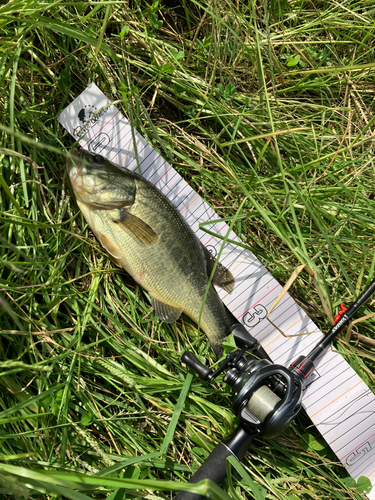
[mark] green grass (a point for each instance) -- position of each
(272, 103)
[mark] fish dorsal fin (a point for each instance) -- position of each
(140, 229)
(222, 277)
(113, 251)
(165, 312)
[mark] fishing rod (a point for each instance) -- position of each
(266, 396)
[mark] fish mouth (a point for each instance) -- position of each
(72, 167)
(74, 161)
(79, 179)
(76, 181)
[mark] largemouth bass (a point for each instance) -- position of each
(144, 234)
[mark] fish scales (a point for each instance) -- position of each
(144, 234)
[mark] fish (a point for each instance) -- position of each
(145, 235)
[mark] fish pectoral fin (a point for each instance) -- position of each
(113, 251)
(140, 229)
(222, 277)
(165, 312)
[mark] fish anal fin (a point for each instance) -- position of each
(113, 251)
(166, 312)
(140, 229)
(222, 277)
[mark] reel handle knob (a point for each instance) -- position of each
(200, 369)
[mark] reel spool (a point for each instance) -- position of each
(262, 403)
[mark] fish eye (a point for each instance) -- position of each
(98, 159)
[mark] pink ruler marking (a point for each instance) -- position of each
(365, 441)
(165, 173)
(214, 236)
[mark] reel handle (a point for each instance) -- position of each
(200, 369)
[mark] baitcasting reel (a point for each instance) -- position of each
(266, 397)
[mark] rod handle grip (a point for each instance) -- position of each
(214, 468)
